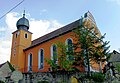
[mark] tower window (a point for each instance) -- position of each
(26, 35)
(16, 35)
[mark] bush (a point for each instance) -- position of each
(1, 81)
(43, 82)
(98, 77)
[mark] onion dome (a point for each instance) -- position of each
(22, 23)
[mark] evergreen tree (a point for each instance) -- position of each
(89, 46)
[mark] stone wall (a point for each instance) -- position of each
(59, 77)
(51, 77)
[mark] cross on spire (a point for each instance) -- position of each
(24, 13)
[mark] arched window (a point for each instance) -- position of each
(41, 59)
(26, 35)
(69, 43)
(69, 49)
(54, 53)
(16, 35)
(30, 62)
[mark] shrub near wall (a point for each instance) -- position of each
(98, 77)
(43, 82)
(1, 81)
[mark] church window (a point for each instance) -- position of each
(69, 49)
(30, 62)
(54, 53)
(41, 59)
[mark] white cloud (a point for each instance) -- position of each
(43, 11)
(5, 51)
(2, 29)
(37, 27)
(115, 1)
(42, 27)
(11, 20)
(54, 24)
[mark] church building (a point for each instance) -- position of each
(29, 55)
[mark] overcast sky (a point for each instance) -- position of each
(47, 15)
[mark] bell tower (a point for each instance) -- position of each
(21, 39)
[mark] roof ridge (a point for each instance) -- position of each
(56, 30)
(63, 30)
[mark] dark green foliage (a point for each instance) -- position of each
(65, 58)
(117, 66)
(98, 77)
(91, 46)
(52, 64)
(1, 81)
(88, 46)
(43, 82)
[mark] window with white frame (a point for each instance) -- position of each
(41, 59)
(30, 62)
(69, 49)
(54, 53)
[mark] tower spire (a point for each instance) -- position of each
(24, 13)
(23, 23)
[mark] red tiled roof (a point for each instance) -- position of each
(55, 34)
